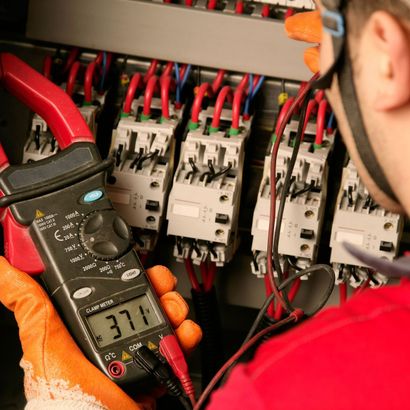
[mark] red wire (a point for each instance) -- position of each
(88, 81)
(211, 4)
(283, 113)
(131, 90)
(239, 7)
(72, 76)
(289, 13)
(4, 161)
(211, 276)
(239, 353)
(168, 69)
(236, 107)
(271, 309)
(321, 122)
(293, 291)
(244, 82)
(165, 87)
(275, 151)
(312, 105)
(108, 58)
(72, 56)
(188, 3)
(363, 287)
(342, 293)
(217, 83)
(189, 266)
(151, 70)
(320, 95)
(204, 273)
(265, 10)
(204, 88)
(47, 65)
(149, 94)
(225, 94)
(182, 71)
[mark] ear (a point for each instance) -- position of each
(390, 45)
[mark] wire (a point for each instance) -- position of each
(285, 190)
(211, 276)
(239, 7)
(283, 113)
(88, 82)
(217, 83)
(104, 71)
(205, 89)
(280, 129)
(151, 70)
(244, 82)
(291, 296)
(211, 4)
(72, 57)
(131, 90)
(152, 85)
(165, 88)
(235, 357)
(236, 108)
(47, 66)
(312, 269)
(265, 10)
(189, 266)
(254, 88)
(343, 293)
(72, 77)
(225, 94)
(168, 69)
(312, 105)
(321, 121)
(330, 122)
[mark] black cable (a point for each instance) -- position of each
(316, 268)
(144, 158)
(37, 137)
(221, 172)
(136, 160)
(303, 191)
(285, 190)
(293, 264)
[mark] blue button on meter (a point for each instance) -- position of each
(93, 196)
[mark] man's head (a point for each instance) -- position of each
(379, 45)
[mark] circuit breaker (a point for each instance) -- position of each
(204, 201)
(305, 204)
(144, 163)
(361, 222)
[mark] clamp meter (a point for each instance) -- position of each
(59, 223)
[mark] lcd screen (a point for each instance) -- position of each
(124, 320)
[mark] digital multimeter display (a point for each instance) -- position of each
(124, 320)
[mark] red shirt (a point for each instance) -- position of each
(354, 357)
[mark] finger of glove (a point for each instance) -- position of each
(175, 308)
(162, 279)
(312, 59)
(189, 335)
(305, 26)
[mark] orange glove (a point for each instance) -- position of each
(57, 375)
(307, 27)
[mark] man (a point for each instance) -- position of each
(357, 356)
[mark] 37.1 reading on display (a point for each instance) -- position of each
(124, 320)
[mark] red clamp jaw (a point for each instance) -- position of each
(67, 126)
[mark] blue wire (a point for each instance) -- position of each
(249, 97)
(331, 120)
(186, 75)
(178, 81)
(104, 69)
(258, 86)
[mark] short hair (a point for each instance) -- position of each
(360, 10)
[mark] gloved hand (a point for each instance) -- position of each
(307, 27)
(57, 375)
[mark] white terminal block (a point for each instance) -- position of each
(139, 187)
(40, 143)
(359, 221)
(304, 212)
(297, 4)
(89, 113)
(203, 208)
